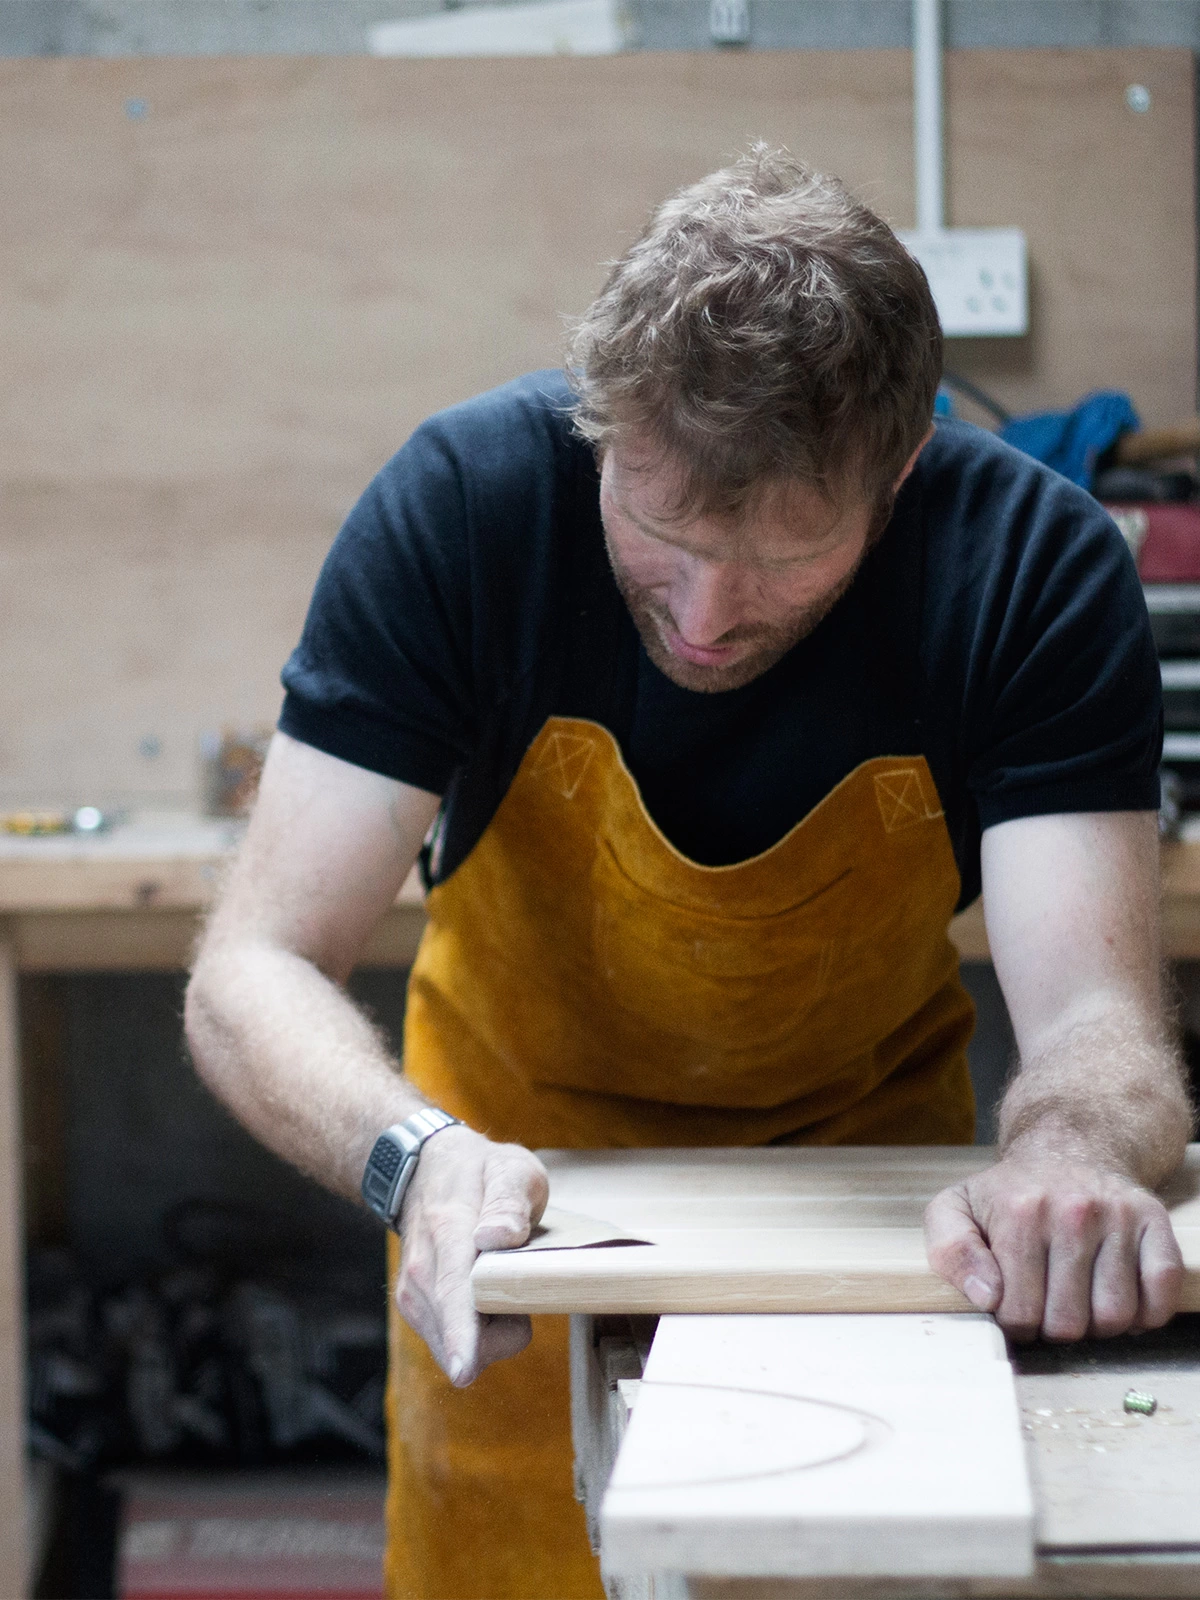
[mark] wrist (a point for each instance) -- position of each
(1041, 1134)
(1061, 1152)
(392, 1162)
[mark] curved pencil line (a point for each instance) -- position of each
(868, 1417)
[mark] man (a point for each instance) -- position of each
(712, 688)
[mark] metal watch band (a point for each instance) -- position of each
(393, 1160)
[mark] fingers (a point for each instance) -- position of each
(468, 1195)
(434, 1292)
(958, 1251)
(1114, 1288)
(1160, 1266)
(1019, 1239)
(501, 1337)
(1083, 1261)
(1113, 1265)
(1076, 1250)
(515, 1190)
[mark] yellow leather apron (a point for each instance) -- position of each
(583, 984)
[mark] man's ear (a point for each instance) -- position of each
(912, 460)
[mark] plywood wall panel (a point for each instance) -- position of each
(230, 288)
(1045, 141)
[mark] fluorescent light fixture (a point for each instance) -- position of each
(551, 28)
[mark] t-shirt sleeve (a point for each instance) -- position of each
(1064, 699)
(382, 674)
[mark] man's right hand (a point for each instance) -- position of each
(468, 1195)
(276, 1037)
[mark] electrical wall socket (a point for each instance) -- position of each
(729, 21)
(979, 279)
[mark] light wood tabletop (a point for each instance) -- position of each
(783, 1229)
(131, 898)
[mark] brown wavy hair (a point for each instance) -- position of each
(766, 327)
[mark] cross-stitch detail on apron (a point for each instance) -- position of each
(903, 800)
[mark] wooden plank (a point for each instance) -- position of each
(14, 1505)
(133, 868)
(104, 941)
(822, 1446)
(605, 1353)
(221, 312)
(761, 1230)
(1181, 928)
(1104, 1478)
(1085, 114)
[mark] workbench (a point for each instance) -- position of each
(131, 900)
(1094, 1502)
(773, 1395)
(126, 900)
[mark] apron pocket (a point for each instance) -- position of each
(727, 983)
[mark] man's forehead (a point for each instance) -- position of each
(781, 520)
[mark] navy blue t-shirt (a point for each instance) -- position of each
(998, 628)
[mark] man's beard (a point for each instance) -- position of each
(768, 644)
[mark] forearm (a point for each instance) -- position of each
(1106, 1088)
(287, 1050)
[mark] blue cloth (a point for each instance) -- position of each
(1073, 441)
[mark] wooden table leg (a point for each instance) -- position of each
(13, 1506)
(605, 1352)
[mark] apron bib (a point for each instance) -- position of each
(582, 984)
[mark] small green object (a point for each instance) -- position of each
(1144, 1404)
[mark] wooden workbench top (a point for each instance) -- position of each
(162, 861)
(129, 899)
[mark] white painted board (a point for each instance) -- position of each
(822, 1446)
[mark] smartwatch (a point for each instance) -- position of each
(393, 1160)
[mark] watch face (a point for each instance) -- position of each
(386, 1157)
(379, 1177)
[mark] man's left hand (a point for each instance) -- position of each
(1057, 1247)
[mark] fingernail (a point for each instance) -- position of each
(455, 1370)
(498, 1232)
(979, 1293)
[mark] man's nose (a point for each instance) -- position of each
(707, 601)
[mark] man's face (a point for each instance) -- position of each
(717, 602)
